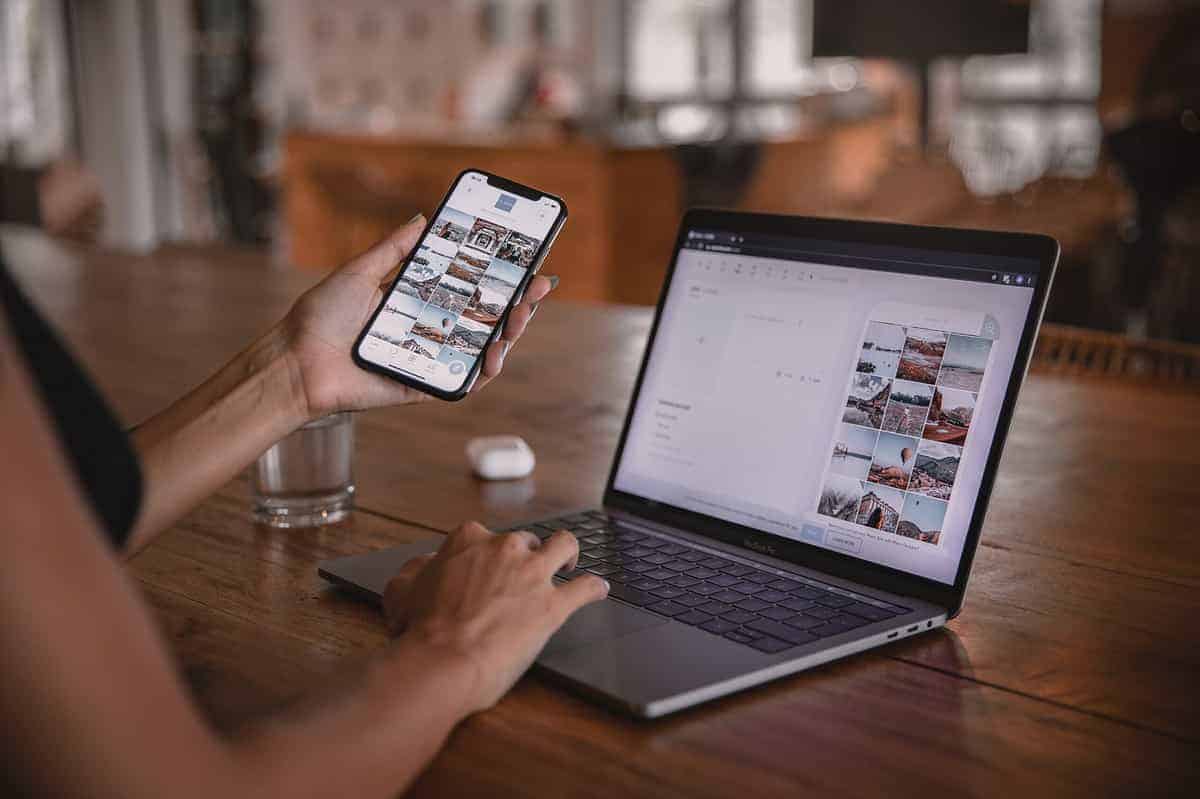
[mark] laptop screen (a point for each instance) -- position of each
(839, 394)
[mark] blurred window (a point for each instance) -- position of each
(1025, 116)
(35, 117)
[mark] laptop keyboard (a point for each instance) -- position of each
(750, 606)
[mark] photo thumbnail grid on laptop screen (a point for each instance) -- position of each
(837, 394)
(454, 292)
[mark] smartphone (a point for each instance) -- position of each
(454, 292)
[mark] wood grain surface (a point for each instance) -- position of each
(1072, 670)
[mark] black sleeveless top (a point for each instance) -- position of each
(97, 448)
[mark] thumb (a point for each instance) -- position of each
(376, 262)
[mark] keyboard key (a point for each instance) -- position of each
(754, 605)
(673, 549)
(728, 596)
(650, 542)
(692, 600)
(802, 622)
(668, 592)
(834, 601)
(701, 573)
(771, 595)
(785, 585)
(638, 551)
(707, 588)
(807, 593)
(631, 595)
(739, 636)
(692, 556)
(677, 565)
(781, 631)
(770, 645)
(739, 616)
(762, 578)
(584, 562)
(573, 519)
(719, 626)
(714, 563)
(777, 613)
(797, 604)
(724, 580)
(641, 567)
(623, 576)
(693, 617)
(716, 608)
(839, 625)
(603, 569)
(667, 608)
(737, 569)
(591, 524)
(747, 588)
(818, 612)
(658, 559)
(601, 553)
(646, 584)
(660, 574)
(683, 581)
(868, 611)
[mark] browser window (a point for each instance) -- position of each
(845, 396)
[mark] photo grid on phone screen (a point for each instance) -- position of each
(906, 419)
(455, 290)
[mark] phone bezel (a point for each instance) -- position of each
(505, 184)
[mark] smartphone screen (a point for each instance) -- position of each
(459, 282)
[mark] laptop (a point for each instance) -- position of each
(807, 457)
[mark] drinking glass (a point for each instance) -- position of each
(306, 480)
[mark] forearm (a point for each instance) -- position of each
(373, 739)
(203, 440)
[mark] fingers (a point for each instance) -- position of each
(559, 552)
(539, 287)
(521, 541)
(376, 262)
(518, 318)
(493, 360)
(514, 327)
(581, 591)
(395, 596)
(465, 535)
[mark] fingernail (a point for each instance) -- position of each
(504, 345)
(533, 313)
(607, 586)
(414, 219)
(553, 281)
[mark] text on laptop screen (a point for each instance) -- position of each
(842, 395)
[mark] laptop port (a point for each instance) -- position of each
(913, 629)
(893, 635)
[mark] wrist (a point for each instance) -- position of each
(452, 674)
(271, 357)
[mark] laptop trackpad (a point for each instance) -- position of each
(600, 621)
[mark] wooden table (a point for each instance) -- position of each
(1072, 671)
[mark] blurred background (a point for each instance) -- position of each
(308, 129)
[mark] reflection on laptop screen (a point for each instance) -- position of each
(843, 395)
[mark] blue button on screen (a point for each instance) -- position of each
(813, 533)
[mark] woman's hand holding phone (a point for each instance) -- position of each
(319, 331)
